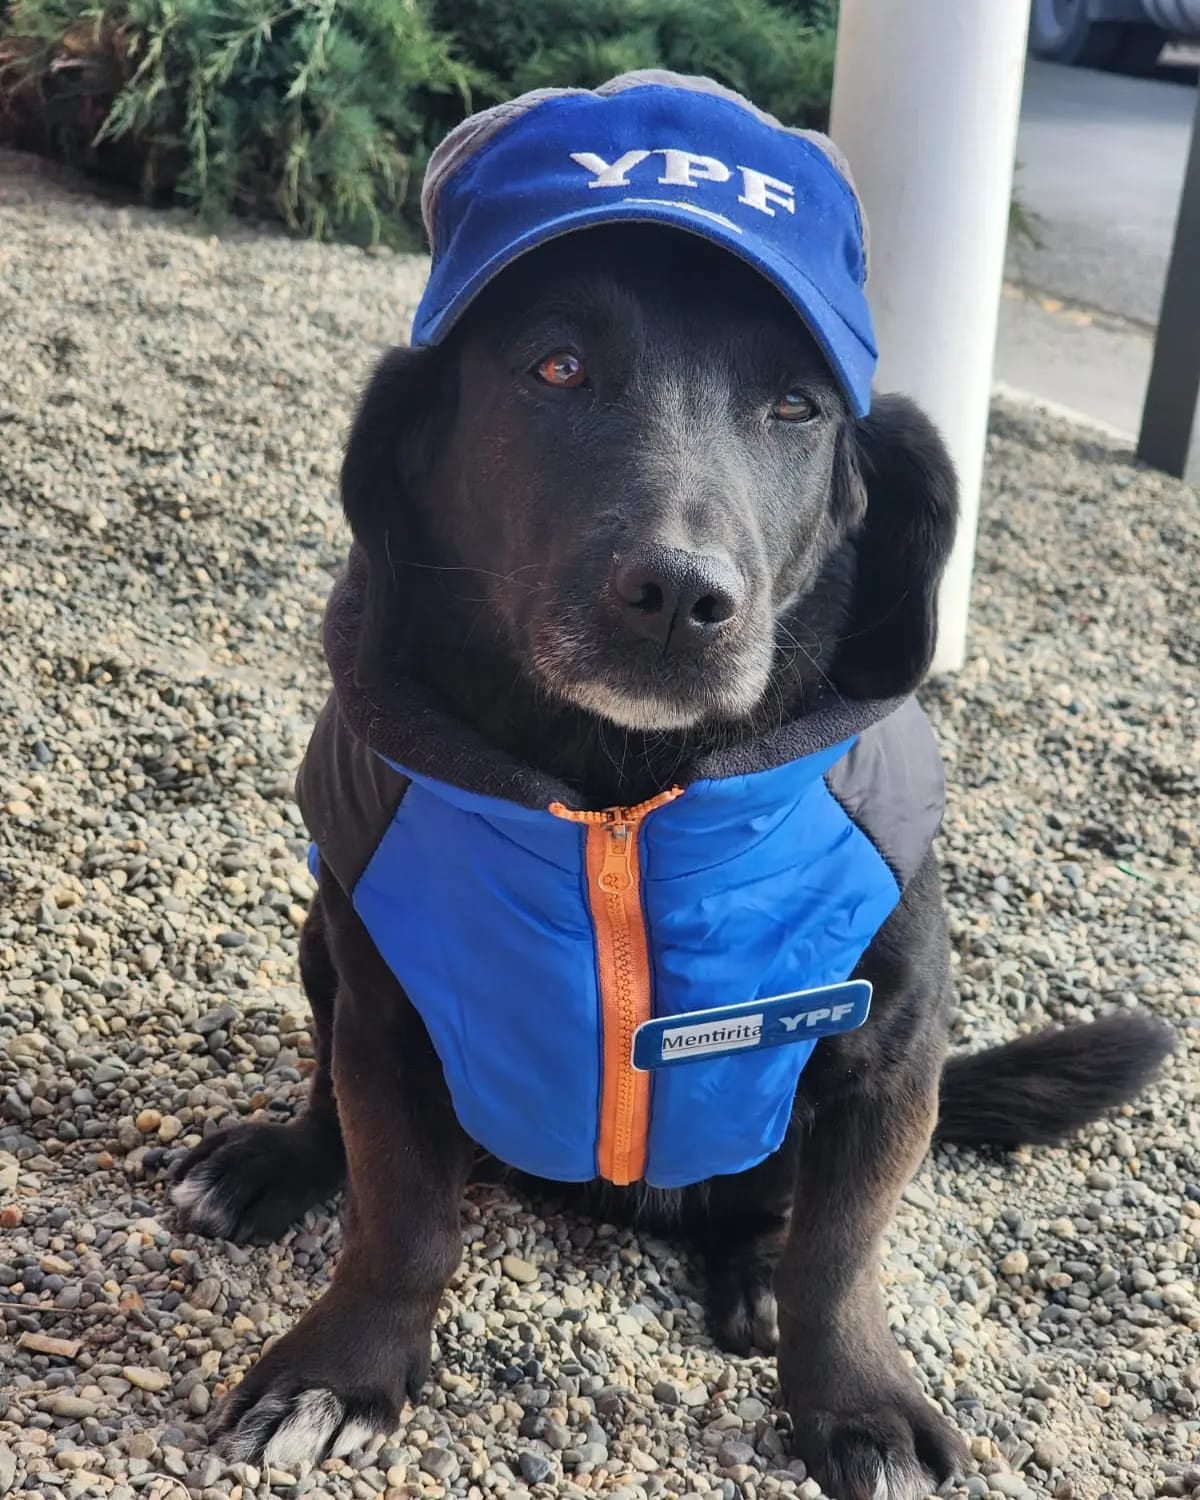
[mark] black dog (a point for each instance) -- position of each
(631, 393)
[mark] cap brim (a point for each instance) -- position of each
(852, 361)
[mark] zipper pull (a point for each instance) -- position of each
(616, 873)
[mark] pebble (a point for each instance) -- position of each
(535, 1468)
(516, 1269)
(206, 1292)
(215, 1020)
(71, 1458)
(1008, 1484)
(731, 1454)
(1050, 1453)
(73, 1407)
(207, 1472)
(441, 1463)
(146, 1379)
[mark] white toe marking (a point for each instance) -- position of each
(353, 1435)
(200, 1198)
(902, 1482)
(241, 1445)
(188, 1193)
(766, 1320)
(313, 1420)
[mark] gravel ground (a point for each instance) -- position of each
(171, 409)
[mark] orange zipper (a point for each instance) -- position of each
(614, 884)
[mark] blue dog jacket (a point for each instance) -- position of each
(534, 936)
(662, 148)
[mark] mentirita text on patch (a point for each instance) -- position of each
(713, 1036)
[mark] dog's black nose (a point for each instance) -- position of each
(677, 598)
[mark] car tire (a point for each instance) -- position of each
(1060, 31)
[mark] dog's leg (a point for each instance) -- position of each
(252, 1181)
(344, 1371)
(861, 1423)
(744, 1230)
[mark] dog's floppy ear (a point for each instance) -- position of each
(901, 548)
(388, 452)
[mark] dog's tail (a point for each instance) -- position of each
(1039, 1089)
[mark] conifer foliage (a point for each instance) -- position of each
(322, 113)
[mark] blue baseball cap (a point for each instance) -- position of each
(659, 148)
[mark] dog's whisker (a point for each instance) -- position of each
(793, 644)
(511, 577)
(869, 627)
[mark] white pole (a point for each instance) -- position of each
(926, 97)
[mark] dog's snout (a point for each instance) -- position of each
(677, 598)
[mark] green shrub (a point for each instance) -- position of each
(323, 112)
(311, 110)
(778, 53)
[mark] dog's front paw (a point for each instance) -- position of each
(253, 1181)
(742, 1312)
(282, 1427)
(341, 1376)
(869, 1441)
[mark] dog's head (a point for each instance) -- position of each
(630, 474)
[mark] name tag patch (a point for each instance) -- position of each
(751, 1026)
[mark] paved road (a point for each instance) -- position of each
(1100, 161)
(1097, 371)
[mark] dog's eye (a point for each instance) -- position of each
(794, 406)
(562, 369)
